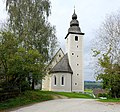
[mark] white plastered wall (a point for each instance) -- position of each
(59, 86)
(75, 56)
(46, 82)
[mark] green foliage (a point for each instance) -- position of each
(25, 98)
(28, 20)
(110, 100)
(89, 91)
(17, 63)
(95, 52)
(110, 75)
(107, 61)
(30, 97)
(27, 44)
(75, 95)
(92, 84)
(103, 95)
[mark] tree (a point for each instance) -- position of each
(16, 63)
(107, 61)
(108, 35)
(110, 75)
(28, 20)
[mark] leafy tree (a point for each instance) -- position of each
(110, 74)
(34, 40)
(28, 20)
(108, 36)
(8, 46)
(107, 58)
(17, 63)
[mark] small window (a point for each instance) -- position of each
(77, 74)
(77, 55)
(75, 83)
(77, 64)
(55, 80)
(76, 38)
(77, 46)
(62, 81)
(72, 53)
(59, 55)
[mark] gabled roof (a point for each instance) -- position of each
(55, 56)
(62, 66)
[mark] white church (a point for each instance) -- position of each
(65, 71)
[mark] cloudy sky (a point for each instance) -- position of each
(90, 14)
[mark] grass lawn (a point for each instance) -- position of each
(30, 97)
(109, 100)
(25, 98)
(89, 91)
(74, 95)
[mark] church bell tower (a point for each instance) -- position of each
(74, 47)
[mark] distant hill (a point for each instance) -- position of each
(92, 84)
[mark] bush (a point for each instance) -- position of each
(5, 95)
(103, 95)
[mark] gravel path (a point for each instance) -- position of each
(71, 105)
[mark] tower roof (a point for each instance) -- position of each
(74, 21)
(62, 66)
(74, 25)
(74, 16)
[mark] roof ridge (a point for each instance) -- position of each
(54, 56)
(62, 66)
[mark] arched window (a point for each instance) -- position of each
(55, 80)
(62, 81)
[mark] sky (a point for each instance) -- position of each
(91, 13)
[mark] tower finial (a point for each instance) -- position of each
(74, 8)
(74, 16)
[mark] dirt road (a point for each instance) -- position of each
(71, 105)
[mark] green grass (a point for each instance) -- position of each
(68, 94)
(74, 95)
(27, 97)
(109, 100)
(89, 91)
(30, 97)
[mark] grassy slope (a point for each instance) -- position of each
(74, 95)
(30, 97)
(90, 91)
(109, 100)
(26, 98)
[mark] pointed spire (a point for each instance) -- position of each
(74, 25)
(74, 16)
(74, 8)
